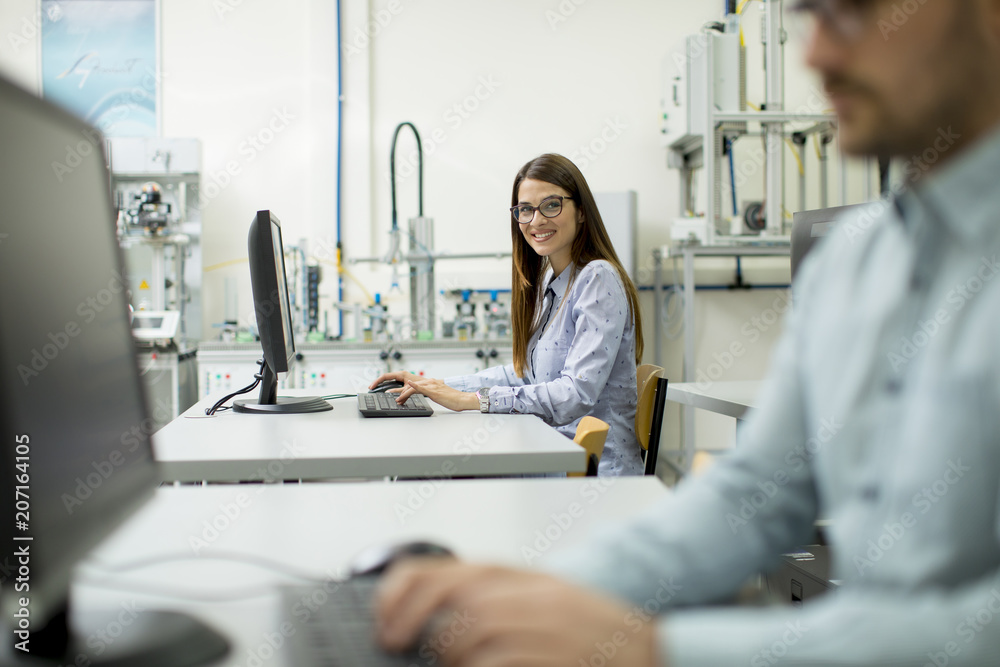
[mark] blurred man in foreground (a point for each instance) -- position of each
(881, 413)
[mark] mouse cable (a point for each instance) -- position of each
(332, 397)
(227, 556)
(172, 592)
(258, 376)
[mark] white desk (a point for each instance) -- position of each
(732, 399)
(319, 528)
(342, 444)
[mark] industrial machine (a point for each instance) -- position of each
(705, 114)
(155, 185)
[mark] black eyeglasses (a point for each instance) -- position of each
(549, 207)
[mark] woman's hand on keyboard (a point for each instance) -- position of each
(440, 393)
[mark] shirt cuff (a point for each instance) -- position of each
(503, 400)
(709, 638)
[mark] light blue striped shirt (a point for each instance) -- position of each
(581, 362)
(881, 413)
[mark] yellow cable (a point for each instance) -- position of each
(343, 271)
(798, 158)
(819, 154)
(753, 106)
(222, 265)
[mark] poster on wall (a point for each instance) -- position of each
(99, 60)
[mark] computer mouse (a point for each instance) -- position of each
(381, 387)
(375, 560)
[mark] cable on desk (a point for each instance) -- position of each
(259, 375)
(227, 556)
(332, 397)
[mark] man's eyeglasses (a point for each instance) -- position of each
(549, 207)
(848, 19)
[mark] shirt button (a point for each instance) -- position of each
(894, 386)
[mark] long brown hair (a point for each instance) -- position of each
(591, 242)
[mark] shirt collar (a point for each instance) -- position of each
(559, 284)
(964, 195)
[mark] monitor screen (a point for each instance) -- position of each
(75, 442)
(279, 262)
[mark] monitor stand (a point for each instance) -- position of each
(270, 403)
(145, 638)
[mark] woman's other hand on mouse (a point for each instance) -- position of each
(484, 615)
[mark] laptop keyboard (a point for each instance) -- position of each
(335, 627)
(384, 405)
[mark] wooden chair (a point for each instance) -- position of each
(591, 433)
(649, 414)
(642, 373)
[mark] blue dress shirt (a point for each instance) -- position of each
(881, 413)
(581, 361)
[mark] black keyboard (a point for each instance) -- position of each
(334, 625)
(385, 405)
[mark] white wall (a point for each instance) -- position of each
(489, 85)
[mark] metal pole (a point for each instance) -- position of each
(657, 306)
(689, 349)
(774, 35)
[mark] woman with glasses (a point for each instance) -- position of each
(576, 329)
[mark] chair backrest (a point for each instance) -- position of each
(642, 373)
(591, 433)
(644, 404)
(656, 424)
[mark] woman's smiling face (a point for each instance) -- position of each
(550, 237)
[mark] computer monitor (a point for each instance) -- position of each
(809, 226)
(75, 452)
(274, 320)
